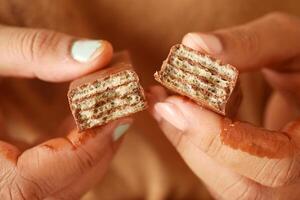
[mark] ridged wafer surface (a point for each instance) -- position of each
(198, 76)
(107, 95)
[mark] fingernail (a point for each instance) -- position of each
(171, 114)
(86, 50)
(208, 42)
(120, 131)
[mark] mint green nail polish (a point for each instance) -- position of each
(86, 50)
(120, 130)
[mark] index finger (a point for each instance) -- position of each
(268, 157)
(49, 55)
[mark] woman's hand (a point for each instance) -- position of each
(237, 160)
(61, 168)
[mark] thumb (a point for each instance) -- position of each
(268, 41)
(49, 55)
(69, 165)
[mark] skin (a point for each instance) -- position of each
(127, 24)
(237, 160)
(64, 167)
(277, 99)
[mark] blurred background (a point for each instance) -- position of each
(32, 111)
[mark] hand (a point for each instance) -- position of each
(237, 160)
(61, 168)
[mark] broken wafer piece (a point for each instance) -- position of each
(107, 95)
(202, 78)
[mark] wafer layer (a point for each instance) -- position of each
(198, 76)
(106, 99)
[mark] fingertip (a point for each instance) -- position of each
(154, 95)
(189, 41)
(115, 129)
(156, 115)
(170, 113)
(112, 129)
(107, 54)
(73, 59)
(85, 51)
(206, 43)
(120, 130)
(197, 117)
(99, 59)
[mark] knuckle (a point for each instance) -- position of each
(242, 189)
(6, 190)
(250, 191)
(248, 40)
(178, 141)
(278, 173)
(31, 176)
(6, 181)
(242, 38)
(212, 145)
(17, 190)
(28, 187)
(19, 193)
(288, 173)
(278, 180)
(85, 160)
(6, 193)
(42, 41)
(6, 176)
(31, 45)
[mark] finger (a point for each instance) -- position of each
(264, 156)
(279, 112)
(286, 83)
(224, 183)
(8, 159)
(8, 152)
(286, 104)
(49, 55)
(155, 94)
(62, 161)
(268, 41)
(78, 188)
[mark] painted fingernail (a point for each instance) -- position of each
(120, 131)
(171, 114)
(207, 42)
(86, 50)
